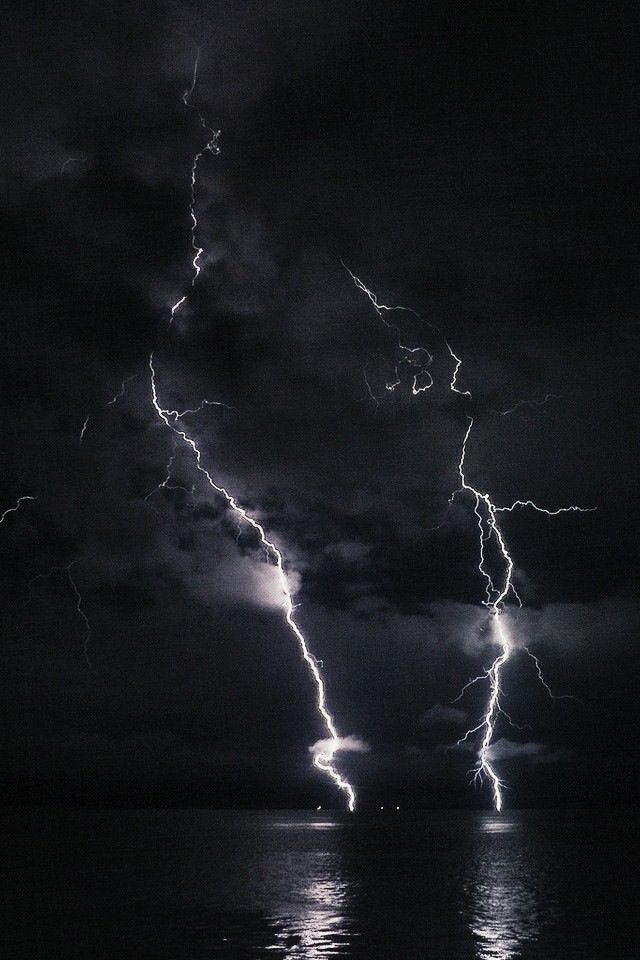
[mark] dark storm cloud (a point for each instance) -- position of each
(480, 177)
(440, 714)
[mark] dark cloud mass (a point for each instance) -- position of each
(479, 172)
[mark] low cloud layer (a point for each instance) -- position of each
(348, 744)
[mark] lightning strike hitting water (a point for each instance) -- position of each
(486, 511)
(324, 756)
(496, 594)
(211, 146)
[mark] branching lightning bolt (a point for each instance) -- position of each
(211, 146)
(324, 757)
(554, 696)
(324, 752)
(418, 359)
(166, 483)
(496, 593)
(495, 597)
(411, 355)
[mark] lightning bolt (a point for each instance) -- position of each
(15, 507)
(167, 485)
(528, 403)
(554, 696)
(323, 758)
(497, 592)
(83, 429)
(371, 394)
(88, 632)
(410, 355)
(71, 160)
(179, 414)
(495, 596)
(325, 751)
(121, 392)
(211, 146)
(418, 359)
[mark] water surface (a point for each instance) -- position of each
(196, 884)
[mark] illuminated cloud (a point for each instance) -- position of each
(349, 744)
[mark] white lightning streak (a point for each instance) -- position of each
(178, 414)
(554, 696)
(471, 683)
(165, 484)
(323, 758)
(372, 395)
(454, 378)
(88, 632)
(528, 403)
(211, 146)
(71, 160)
(121, 392)
(83, 429)
(485, 511)
(410, 352)
(550, 513)
(15, 507)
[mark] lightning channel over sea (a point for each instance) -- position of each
(323, 751)
(498, 589)
(324, 756)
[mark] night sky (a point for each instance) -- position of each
(479, 169)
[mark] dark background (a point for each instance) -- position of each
(480, 168)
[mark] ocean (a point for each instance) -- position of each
(434, 885)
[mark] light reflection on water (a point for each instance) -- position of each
(507, 890)
(320, 928)
(320, 925)
(237, 885)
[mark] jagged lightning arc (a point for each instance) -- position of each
(324, 751)
(323, 757)
(88, 632)
(15, 507)
(485, 511)
(211, 146)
